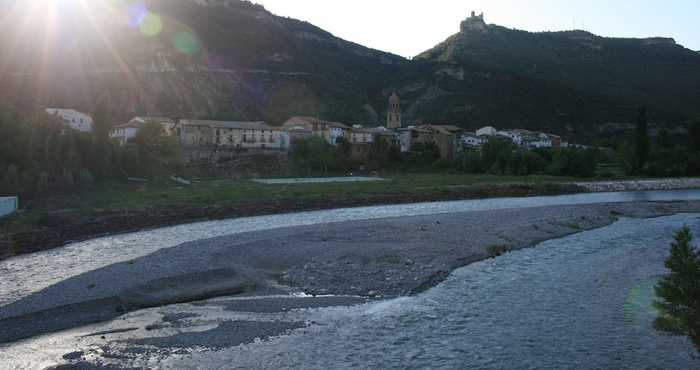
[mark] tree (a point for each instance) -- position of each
(379, 155)
(664, 139)
(471, 162)
(496, 154)
(317, 153)
(101, 119)
(573, 161)
(693, 138)
(679, 309)
(150, 134)
(101, 126)
(641, 139)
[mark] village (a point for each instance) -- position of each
(211, 141)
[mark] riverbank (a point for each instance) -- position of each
(59, 227)
(354, 261)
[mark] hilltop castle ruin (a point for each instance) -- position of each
(473, 23)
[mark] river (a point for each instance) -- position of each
(582, 301)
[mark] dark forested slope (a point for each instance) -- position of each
(232, 59)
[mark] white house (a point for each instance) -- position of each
(536, 142)
(337, 130)
(404, 138)
(7, 205)
(167, 123)
(318, 127)
(128, 130)
(555, 141)
(78, 121)
(516, 135)
(125, 131)
(486, 131)
(473, 140)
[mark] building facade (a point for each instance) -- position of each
(329, 131)
(126, 131)
(229, 135)
(77, 121)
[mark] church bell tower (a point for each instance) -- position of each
(393, 114)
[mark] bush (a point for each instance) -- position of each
(471, 162)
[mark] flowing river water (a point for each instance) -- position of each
(582, 301)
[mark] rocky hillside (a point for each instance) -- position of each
(232, 59)
(186, 58)
(555, 81)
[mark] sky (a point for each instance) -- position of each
(407, 28)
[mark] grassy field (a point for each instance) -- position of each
(165, 190)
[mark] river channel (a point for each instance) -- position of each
(581, 301)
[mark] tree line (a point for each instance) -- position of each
(40, 158)
(638, 155)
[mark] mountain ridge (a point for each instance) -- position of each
(241, 62)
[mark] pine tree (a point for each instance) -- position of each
(693, 138)
(641, 139)
(101, 120)
(101, 126)
(679, 309)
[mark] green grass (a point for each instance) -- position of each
(114, 197)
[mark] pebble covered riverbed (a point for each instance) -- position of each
(342, 257)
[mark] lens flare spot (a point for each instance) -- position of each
(638, 308)
(185, 43)
(135, 14)
(151, 24)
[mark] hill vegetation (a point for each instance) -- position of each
(235, 60)
(553, 81)
(238, 62)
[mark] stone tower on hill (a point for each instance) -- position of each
(473, 23)
(393, 114)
